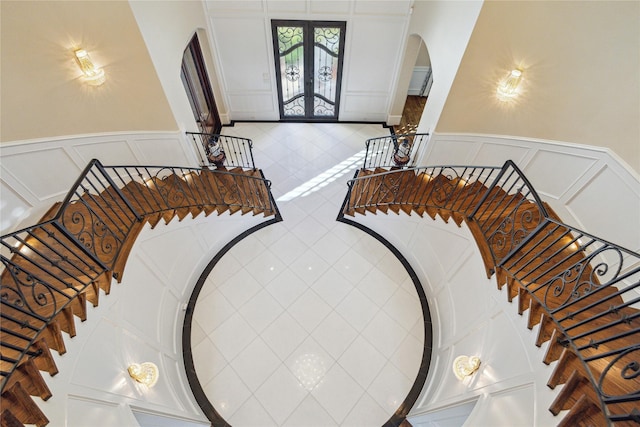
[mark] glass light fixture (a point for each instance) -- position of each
(145, 373)
(464, 366)
(92, 75)
(508, 87)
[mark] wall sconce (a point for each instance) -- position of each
(145, 373)
(508, 88)
(464, 366)
(92, 75)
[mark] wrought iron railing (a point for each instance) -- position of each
(47, 265)
(222, 150)
(588, 287)
(394, 150)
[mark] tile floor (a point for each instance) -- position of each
(307, 322)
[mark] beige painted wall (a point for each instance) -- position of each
(42, 94)
(581, 62)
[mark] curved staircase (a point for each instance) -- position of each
(582, 291)
(52, 269)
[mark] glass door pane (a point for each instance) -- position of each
(291, 55)
(308, 68)
(326, 54)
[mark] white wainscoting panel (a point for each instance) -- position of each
(363, 106)
(374, 43)
(174, 265)
(588, 187)
(341, 7)
(242, 46)
(163, 150)
(496, 154)
(383, 7)
(253, 106)
(12, 207)
(114, 152)
(418, 78)
(104, 343)
(41, 173)
(37, 173)
(234, 6)
(85, 412)
(609, 207)
(459, 151)
(498, 410)
(470, 301)
(571, 166)
(447, 417)
(284, 7)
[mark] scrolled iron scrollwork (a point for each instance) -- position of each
(292, 73)
(515, 228)
(169, 188)
(443, 189)
(289, 36)
(325, 73)
(295, 107)
(37, 294)
(624, 367)
(329, 38)
(92, 232)
(323, 108)
(581, 278)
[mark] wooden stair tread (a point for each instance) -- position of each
(596, 318)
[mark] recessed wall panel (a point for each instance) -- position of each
(162, 151)
(330, 7)
(496, 154)
(247, 56)
(567, 169)
(44, 173)
(382, 7)
(375, 43)
(110, 153)
(82, 412)
(604, 196)
(12, 208)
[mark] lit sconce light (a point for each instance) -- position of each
(145, 373)
(509, 87)
(92, 75)
(464, 366)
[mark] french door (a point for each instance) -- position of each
(309, 57)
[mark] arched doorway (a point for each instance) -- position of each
(418, 79)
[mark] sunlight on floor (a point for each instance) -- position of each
(325, 178)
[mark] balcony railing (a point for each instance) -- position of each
(85, 239)
(586, 288)
(215, 150)
(394, 150)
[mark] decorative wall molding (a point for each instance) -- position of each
(37, 173)
(246, 70)
(581, 183)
